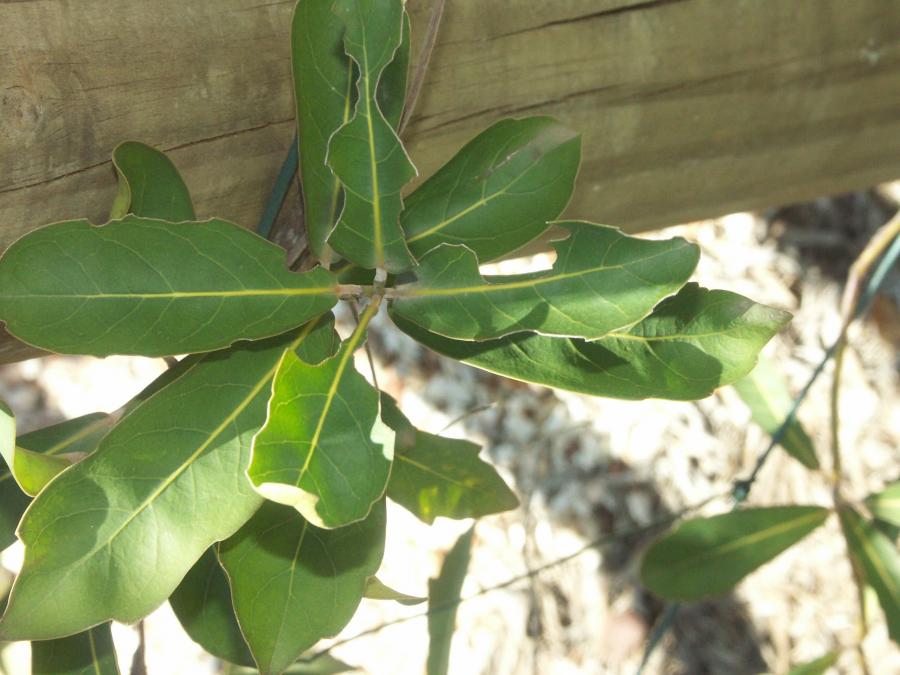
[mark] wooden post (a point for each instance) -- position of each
(689, 108)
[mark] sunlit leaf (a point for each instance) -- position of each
(75, 438)
(602, 281)
(323, 449)
(202, 603)
(87, 653)
(499, 192)
(766, 393)
(143, 286)
(114, 535)
(377, 590)
(42, 454)
(294, 583)
(885, 505)
(443, 600)
(692, 343)
(365, 153)
(704, 557)
(877, 558)
(149, 184)
(435, 476)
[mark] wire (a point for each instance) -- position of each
(600, 542)
(279, 190)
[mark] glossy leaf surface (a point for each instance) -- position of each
(603, 280)
(377, 590)
(705, 557)
(323, 449)
(87, 653)
(294, 583)
(877, 557)
(202, 603)
(143, 286)
(766, 393)
(113, 536)
(499, 192)
(692, 343)
(443, 600)
(149, 184)
(885, 505)
(434, 476)
(365, 153)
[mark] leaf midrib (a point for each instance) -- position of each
(349, 348)
(748, 539)
(483, 201)
(373, 163)
(437, 474)
(169, 295)
(874, 559)
(414, 291)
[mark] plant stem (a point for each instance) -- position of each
(851, 307)
(370, 311)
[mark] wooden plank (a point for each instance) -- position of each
(689, 108)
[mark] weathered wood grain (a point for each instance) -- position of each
(689, 108)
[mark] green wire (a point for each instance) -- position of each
(279, 190)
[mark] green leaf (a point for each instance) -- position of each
(323, 88)
(391, 91)
(31, 470)
(602, 281)
(42, 454)
(435, 476)
(499, 192)
(692, 343)
(324, 664)
(76, 438)
(113, 536)
(142, 286)
(443, 601)
(877, 558)
(87, 653)
(202, 603)
(704, 557)
(365, 153)
(323, 448)
(294, 583)
(13, 501)
(885, 505)
(376, 590)
(149, 185)
(766, 393)
(323, 92)
(817, 667)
